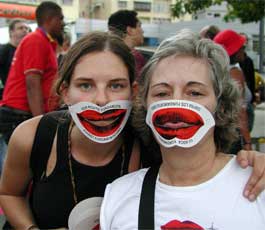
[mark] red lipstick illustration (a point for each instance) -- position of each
(97, 227)
(176, 122)
(114, 116)
(185, 225)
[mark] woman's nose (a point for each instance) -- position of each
(101, 98)
(177, 95)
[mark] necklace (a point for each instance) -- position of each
(73, 179)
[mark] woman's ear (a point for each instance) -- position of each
(135, 88)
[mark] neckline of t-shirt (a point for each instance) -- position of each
(202, 185)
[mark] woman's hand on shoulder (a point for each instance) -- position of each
(256, 182)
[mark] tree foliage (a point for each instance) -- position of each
(246, 10)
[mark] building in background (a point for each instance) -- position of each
(214, 11)
(149, 11)
(83, 16)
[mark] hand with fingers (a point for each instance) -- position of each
(256, 182)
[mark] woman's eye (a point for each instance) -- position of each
(116, 86)
(195, 93)
(161, 94)
(85, 86)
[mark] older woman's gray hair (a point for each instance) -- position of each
(187, 43)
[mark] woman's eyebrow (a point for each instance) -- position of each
(160, 84)
(83, 79)
(119, 79)
(191, 83)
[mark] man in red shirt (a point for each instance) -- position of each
(33, 71)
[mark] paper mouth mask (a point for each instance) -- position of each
(101, 124)
(179, 122)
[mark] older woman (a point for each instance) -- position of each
(190, 105)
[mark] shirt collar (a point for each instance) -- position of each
(49, 37)
(46, 34)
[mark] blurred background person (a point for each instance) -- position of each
(209, 31)
(63, 47)
(126, 25)
(247, 66)
(27, 90)
(259, 88)
(234, 43)
(17, 29)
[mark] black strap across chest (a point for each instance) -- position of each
(43, 141)
(147, 200)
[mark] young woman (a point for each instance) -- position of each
(188, 105)
(72, 155)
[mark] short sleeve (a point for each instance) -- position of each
(34, 56)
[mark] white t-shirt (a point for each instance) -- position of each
(215, 204)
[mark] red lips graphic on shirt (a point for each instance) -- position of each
(185, 225)
(97, 227)
(176, 122)
(115, 115)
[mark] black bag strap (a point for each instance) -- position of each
(42, 144)
(146, 220)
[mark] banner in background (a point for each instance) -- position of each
(10, 10)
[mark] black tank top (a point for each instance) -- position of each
(51, 197)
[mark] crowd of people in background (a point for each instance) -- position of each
(17, 29)
(76, 117)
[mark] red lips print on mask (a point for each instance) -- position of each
(113, 117)
(179, 123)
(101, 124)
(176, 122)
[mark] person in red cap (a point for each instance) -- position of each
(233, 43)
